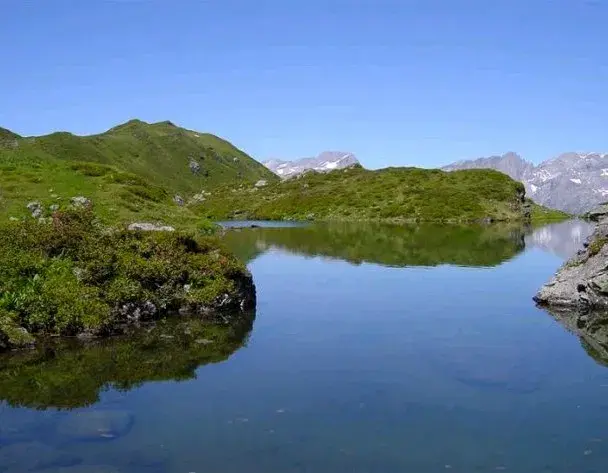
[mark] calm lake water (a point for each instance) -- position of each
(373, 349)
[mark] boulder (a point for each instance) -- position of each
(150, 227)
(95, 425)
(35, 209)
(81, 202)
(261, 183)
(178, 199)
(195, 167)
(33, 456)
(599, 213)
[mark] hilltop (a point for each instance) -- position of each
(134, 171)
(391, 194)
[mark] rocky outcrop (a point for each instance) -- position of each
(150, 227)
(582, 283)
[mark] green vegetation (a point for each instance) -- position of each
(540, 214)
(74, 275)
(131, 173)
(392, 194)
(596, 246)
(68, 373)
(159, 153)
(389, 245)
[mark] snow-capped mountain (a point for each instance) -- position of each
(573, 182)
(326, 161)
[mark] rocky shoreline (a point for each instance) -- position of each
(577, 296)
(582, 282)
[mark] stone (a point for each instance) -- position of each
(33, 456)
(599, 213)
(95, 425)
(178, 199)
(35, 209)
(261, 183)
(150, 227)
(198, 198)
(54, 207)
(195, 167)
(133, 311)
(581, 283)
(81, 202)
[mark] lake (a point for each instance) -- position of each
(373, 349)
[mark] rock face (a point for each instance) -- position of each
(582, 283)
(326, 161)
(572, 182)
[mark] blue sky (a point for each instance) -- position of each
(397, 82)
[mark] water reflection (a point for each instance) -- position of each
(591, 328)
(72, 373)
(387, 245)
(562, 239)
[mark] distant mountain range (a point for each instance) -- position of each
(326, 161)
(572, 182)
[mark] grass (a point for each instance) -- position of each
(392, 195)
(542, 214)
(74, 275)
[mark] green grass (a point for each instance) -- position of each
(392, 194)
(160, 153)
(542, 214)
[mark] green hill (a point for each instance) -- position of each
(131, 172)
(159, 152)
(392, 194)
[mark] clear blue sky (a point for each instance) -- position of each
(397, 82)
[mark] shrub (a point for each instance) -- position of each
(74, 275)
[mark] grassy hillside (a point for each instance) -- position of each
(131, 172)
(161, 153)
(392, 194)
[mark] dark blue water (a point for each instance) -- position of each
(361, 366)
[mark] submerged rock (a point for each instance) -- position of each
(95, 425)
(582, 282)
(34, 456)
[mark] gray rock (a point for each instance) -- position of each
(178, 200)
(54, 207)
(195, 167)
(81, 202)
(598, 213)
(35, 209)
(198, 198)
(581, 283)
(261, 183)
(33, 456)
(150, 227)
(95, 425)
(137, 311)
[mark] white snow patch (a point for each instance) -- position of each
(280, 171)
(604, 172)
(330, 165)
(604, 192)
(534, 188)
(576, 181)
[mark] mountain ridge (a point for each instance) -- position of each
(573, 182)
(323, 162)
